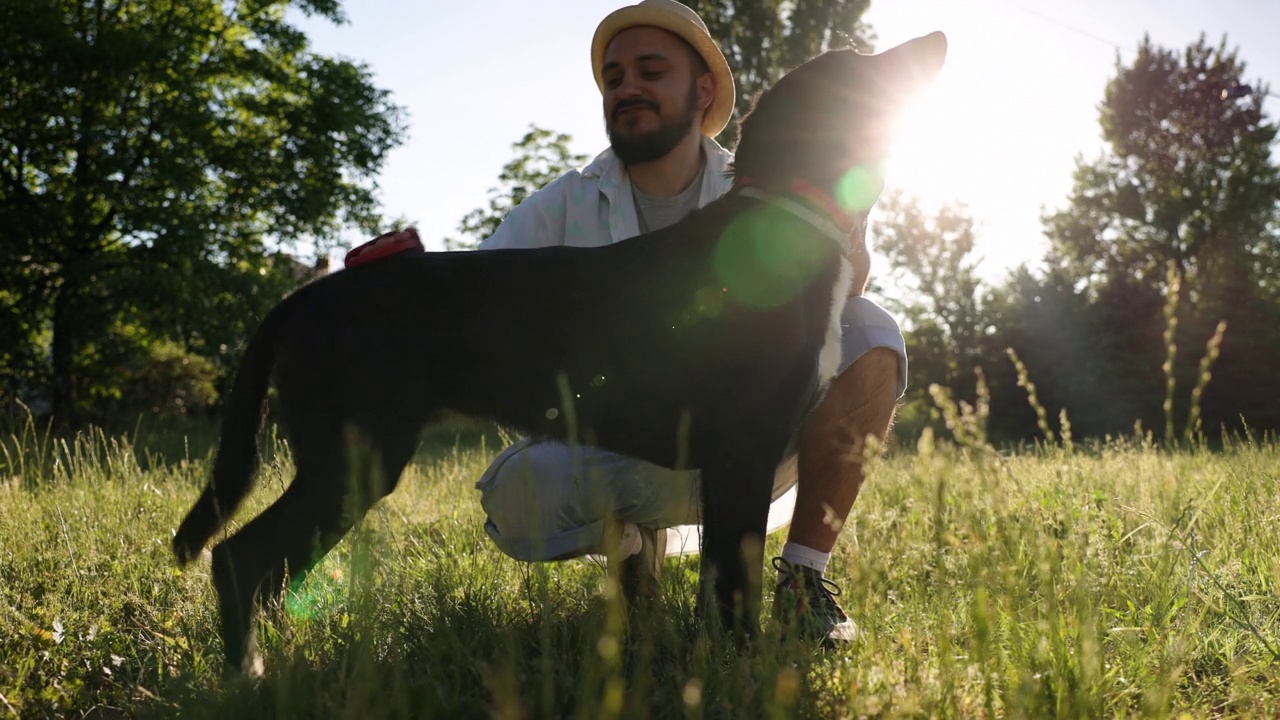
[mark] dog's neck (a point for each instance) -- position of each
(821, 200)
(811, 204)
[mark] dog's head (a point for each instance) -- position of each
(830, 121)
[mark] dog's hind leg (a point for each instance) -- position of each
(373, 472)
(335, 485)
(243, 563)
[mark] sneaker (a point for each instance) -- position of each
(806, 600)
(638, 574)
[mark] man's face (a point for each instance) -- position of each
(653, 93)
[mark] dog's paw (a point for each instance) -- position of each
(249, 672)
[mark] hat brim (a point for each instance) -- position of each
(721, 109)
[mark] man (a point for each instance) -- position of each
(667, 91)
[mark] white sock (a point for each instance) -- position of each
(631, 543)
(797, 554)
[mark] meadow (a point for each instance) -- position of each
(1112, 579)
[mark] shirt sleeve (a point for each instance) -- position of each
(536, 222)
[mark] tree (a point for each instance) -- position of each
(149, 151)
(931, 261)
(541, 157)
(1073, 352)
(936, 294)
(1186, 179)
(1187, 176)
(763, 39)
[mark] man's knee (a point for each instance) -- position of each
(527, 487)
(873, 341)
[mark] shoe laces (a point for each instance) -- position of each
(824, 591)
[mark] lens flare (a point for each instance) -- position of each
(318, 594)
(759, 263)
(857, 191)
(709, 301)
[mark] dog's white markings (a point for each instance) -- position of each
(829, 358)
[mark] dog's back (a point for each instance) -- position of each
(620, 346)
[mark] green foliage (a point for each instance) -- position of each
(937, 296)
(764, 39)
(166, 379)
(151, 151)
(541, 157)
(1171, 230)
(1187, 177)
(1187, 181)
(931, 261)
(1117, 581)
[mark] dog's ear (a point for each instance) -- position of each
(914, 64)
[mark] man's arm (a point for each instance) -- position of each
(860, 259)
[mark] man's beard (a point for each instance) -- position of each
(649, 146)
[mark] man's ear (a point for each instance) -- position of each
(706, 91)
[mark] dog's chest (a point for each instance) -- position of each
(829, 358)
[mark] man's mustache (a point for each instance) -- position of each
(638, 102)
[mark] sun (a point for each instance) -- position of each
(944, 142)
(997, 132)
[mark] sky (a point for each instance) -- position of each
(999, 131)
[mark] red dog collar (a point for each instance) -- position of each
(385, 245)
(825, 201)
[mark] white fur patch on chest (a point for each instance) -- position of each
(829, 358)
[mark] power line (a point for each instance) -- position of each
(1072, 28)
(1233, 92)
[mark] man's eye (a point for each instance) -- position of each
(613, 82)
(651, 74)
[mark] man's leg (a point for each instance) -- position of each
(548, 501)
(859, 403)
(832, 446)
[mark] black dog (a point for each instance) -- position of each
(702, 345)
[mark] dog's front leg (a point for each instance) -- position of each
(735, 510)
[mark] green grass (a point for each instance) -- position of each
(1117, 580)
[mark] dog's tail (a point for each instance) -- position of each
(237, 459)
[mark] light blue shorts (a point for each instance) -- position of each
(549, 501)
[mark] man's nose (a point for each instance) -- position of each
(629, 87)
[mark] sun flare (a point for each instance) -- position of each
(986, 134)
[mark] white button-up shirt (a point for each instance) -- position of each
(594, 206)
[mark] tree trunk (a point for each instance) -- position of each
(65, 397)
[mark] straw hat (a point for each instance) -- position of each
(673, 17)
